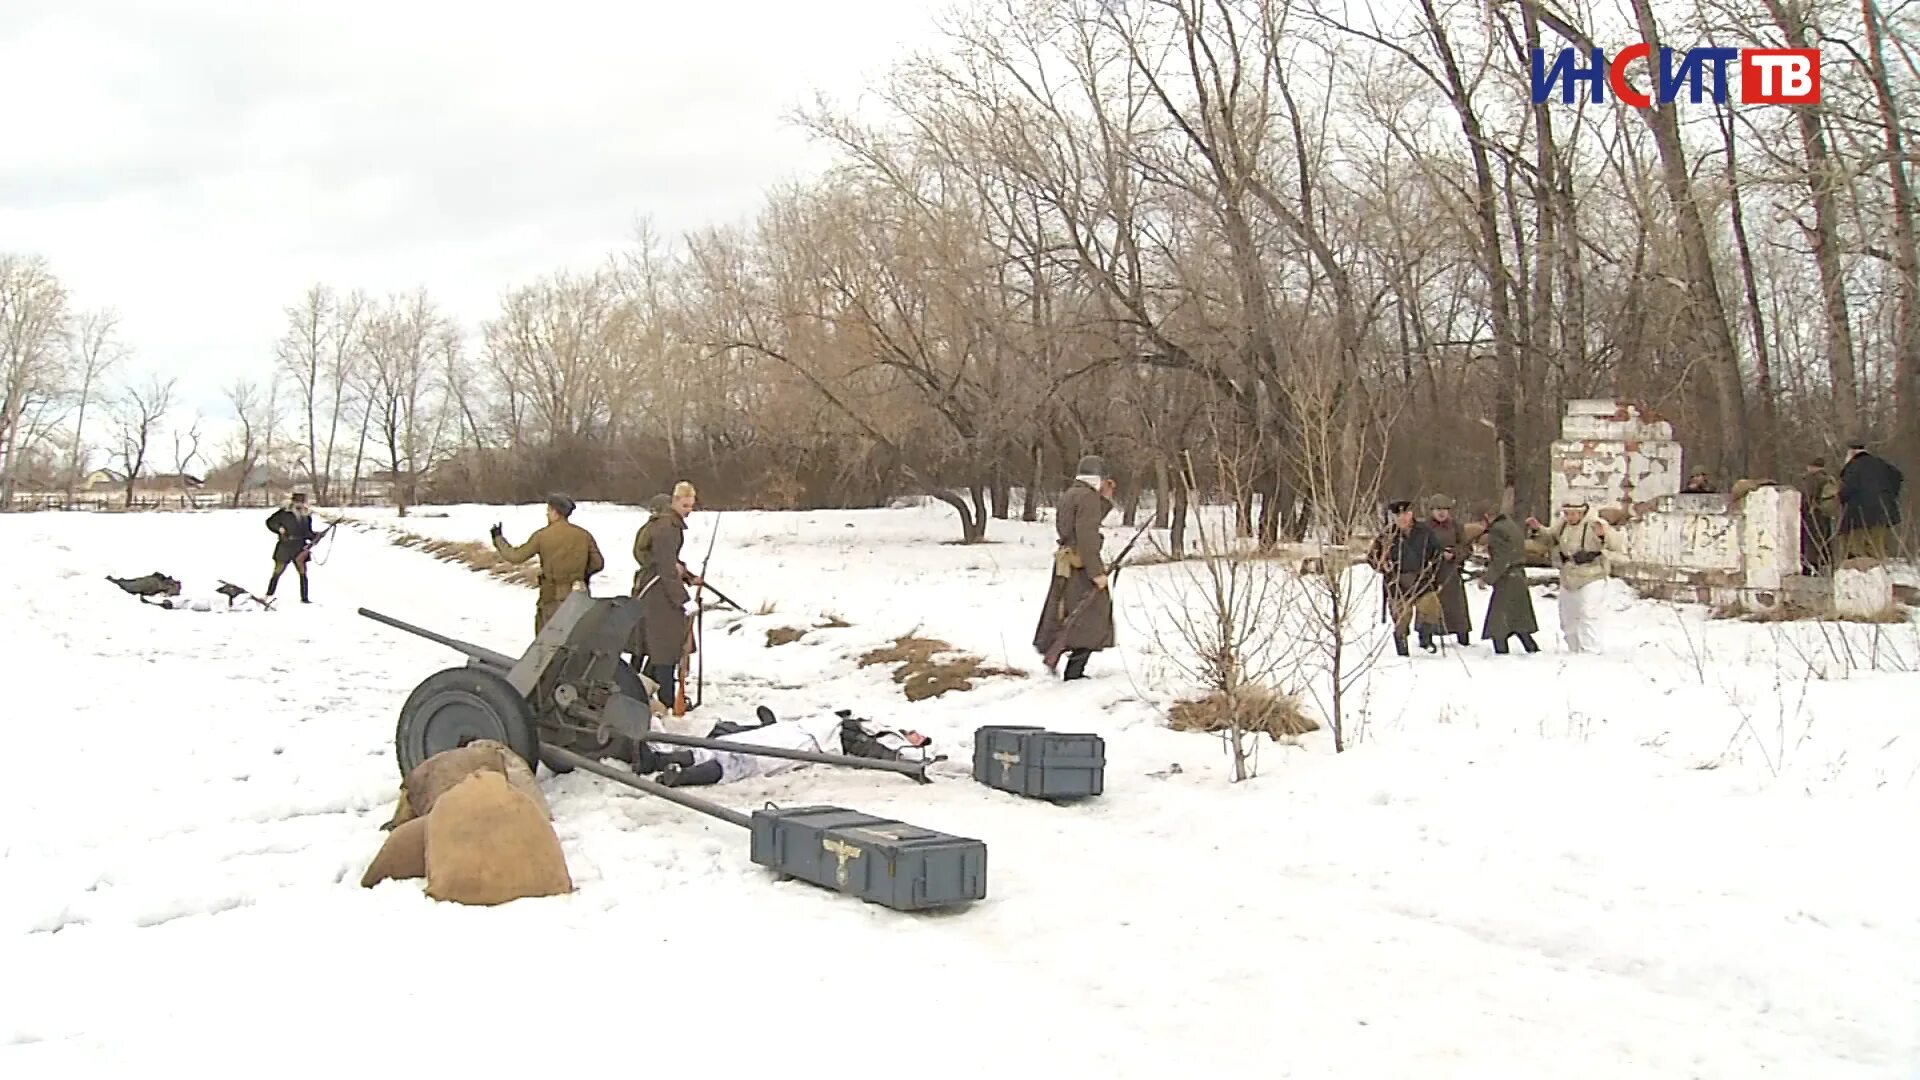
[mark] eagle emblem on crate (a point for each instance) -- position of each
(1038, 763)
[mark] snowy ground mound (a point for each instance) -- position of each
(1688, 857)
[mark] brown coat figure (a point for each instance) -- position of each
(1456, 540)
(1819, 508)
(568, 557)
(1510, 611)
(1079, 575)
(661, 584)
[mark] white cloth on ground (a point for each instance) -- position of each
(819, 733)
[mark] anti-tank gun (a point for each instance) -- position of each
(569, 701)
(569, 690)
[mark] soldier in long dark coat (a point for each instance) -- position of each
(569, 557)
(293, 524)
(1408, 556)
(1079, 574)
(661, 584)
(1456, 541)
(1869, 503)
(1510, 611)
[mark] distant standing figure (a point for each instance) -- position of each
(1819, 507)
(1580, 543)
(569, 557)
(1079, 574)
(1510, 611)
(1456, 541)
(1408, 557)
(293, 523)
(1869, 503)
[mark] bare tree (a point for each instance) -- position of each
(256, 413)
(404, 339)
(136, 420)
(33, 317)
(93, 351)
(186, 450)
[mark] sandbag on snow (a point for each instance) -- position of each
(403, 857)
(438, 774)
(489, 844)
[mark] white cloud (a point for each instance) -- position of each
(196, 164)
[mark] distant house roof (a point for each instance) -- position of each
(170, 480)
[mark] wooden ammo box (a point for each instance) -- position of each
(1039, 763)
(901, 866)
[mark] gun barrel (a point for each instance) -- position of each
(691, 802)
(484, 655)
(915, 769)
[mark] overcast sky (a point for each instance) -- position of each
(197, 163)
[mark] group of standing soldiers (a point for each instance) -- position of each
(1422, 564)
(569, 558)
(1849, 517)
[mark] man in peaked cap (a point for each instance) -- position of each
(1407, 556)
(569, 557)
(1079, 574)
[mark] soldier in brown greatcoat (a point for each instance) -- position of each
(1456, 540)
(661, 584)
(568, 557)
(1079, 573)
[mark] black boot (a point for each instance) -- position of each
(1077, 663)
(1527, 643)
(1427, 643)
(1500, 646)
(707, 772)
(1400, 644)
(662, 674)
(1466, 639)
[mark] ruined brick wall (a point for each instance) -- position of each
(1613, 453)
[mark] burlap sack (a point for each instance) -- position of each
(402, 858)
(489, 844)
(438, 774)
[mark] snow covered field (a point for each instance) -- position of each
(1692, 856)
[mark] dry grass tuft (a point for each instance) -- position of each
(766, 608)
(927, 668)
(783, 635)
(473, 555)
(1260, 710)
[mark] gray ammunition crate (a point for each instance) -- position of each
(885, 862)
(1039, 763)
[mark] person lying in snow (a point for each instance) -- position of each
(827, 732)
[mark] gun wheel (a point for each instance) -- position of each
(460, 705)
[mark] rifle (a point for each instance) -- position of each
(700, 620)
(722, 597)
(1055, 651)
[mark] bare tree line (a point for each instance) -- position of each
(1253, 230)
